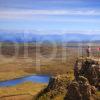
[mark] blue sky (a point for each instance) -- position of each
(50, 16)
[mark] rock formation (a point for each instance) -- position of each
(88, 68)
(57, 85)
(80, 90)
(83, 87)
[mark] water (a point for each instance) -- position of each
(33, 78)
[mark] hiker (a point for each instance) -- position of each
(98, 50)
(88, 51)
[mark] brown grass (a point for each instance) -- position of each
(21, 65)
(25, 90)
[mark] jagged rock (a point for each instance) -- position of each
(80, 90)
(57, 85)
(87, 77)
(89, 68)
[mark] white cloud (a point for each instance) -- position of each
(44, 15)
(66, 12)
(50, 32)
(11, 14)
(15, 14)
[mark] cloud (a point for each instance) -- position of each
(50, 32)
(19, 14)
(46, 15)
(15, 14)
(66, 12)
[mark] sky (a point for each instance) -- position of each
(50, 16)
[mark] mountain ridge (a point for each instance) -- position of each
(34, 37)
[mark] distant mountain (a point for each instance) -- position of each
(30, 37)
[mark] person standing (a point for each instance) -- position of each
(98, 51)
(88, 51)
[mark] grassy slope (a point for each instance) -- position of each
(25, 90)
(22, 66)
(12, 75)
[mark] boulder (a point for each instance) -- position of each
(80, 90)
(90, 68)
(57, 86)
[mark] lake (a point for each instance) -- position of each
(33, 78)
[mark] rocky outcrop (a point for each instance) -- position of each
(57, 85)
(89, 68)
(83, 87)
(81, 90)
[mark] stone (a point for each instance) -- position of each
(90, 69)
(80, 90)
(57, 86)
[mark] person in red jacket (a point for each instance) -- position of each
(98, 51)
